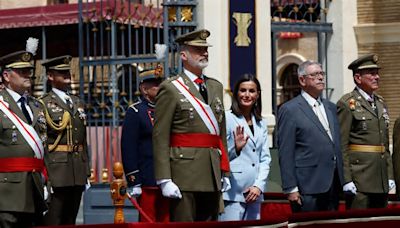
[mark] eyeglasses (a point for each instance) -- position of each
(24, 71)
(315, 74)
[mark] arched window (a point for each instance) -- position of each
(289, 83)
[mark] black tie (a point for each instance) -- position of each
(202, 88)
(69, 103)
(24, 110)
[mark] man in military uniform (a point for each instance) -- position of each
(22, 145)
(67, 161)
(364, 122)
(189, 136)
(137, 148)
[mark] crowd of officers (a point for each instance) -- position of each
(44, 162)
(178, 169)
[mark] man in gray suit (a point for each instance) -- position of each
(309, 145)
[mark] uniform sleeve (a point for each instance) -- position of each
(129, 145)
(345, 118)
(287, 144)
(164, 117)
(265, 160)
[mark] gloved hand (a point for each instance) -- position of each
(46, 192)
(350, 187)
(226, 184)
(170, 189)
(136, 191)
(392, 185)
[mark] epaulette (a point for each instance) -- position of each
(379, 97)
(346, 97)
(132, 106)
(43, 96)
(172, 78)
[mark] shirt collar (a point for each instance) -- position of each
(365, 95)
(191, 76)
(15, 95)
(61, 94)
(310, 100)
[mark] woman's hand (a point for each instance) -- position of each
(240, 139)
(251, 194)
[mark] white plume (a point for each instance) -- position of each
(161, 50)
(32, 45)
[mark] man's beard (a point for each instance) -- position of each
(199, 64)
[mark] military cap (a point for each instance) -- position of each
(369, 61)
(18, 59)
(58, 63)
(195, 38)
(156, 73)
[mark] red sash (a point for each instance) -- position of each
(21, 164)
(202, 140)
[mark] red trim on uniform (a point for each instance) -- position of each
(154, 204)
(201, 106)
(202, 140)
(21, 164)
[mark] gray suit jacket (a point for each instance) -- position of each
(307, 156)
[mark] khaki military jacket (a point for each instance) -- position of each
(67, 168)
(362, 125)
(192, 169)
(20, 190)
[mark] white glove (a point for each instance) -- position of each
(136, 191)
(87, 185)
(392, 185)
(350, 187)
(226, 184)
(170, 189)
(46, 193)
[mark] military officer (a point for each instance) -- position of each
(364, 122)
(22, 145)
(68, 160)
(189, 136)
(137, 148)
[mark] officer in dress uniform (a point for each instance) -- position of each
(364, 122)
(22, 145)
(137, 148)
(189, 136)
(68, 160)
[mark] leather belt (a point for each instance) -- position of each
(68, 148)
(366, 148)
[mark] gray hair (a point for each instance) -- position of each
(301, 71)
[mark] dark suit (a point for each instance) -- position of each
(68, 166)
(21, 192)
(137, 158)
(308, 158)
(370, 171)
(193, 170)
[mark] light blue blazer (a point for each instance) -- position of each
(251, 167)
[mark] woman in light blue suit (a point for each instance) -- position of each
(248, 152)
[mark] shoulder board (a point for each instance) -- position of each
(379, 97)
(133, 106)
(43, 96)
(346, 97)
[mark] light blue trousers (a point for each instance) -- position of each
(235, 211)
